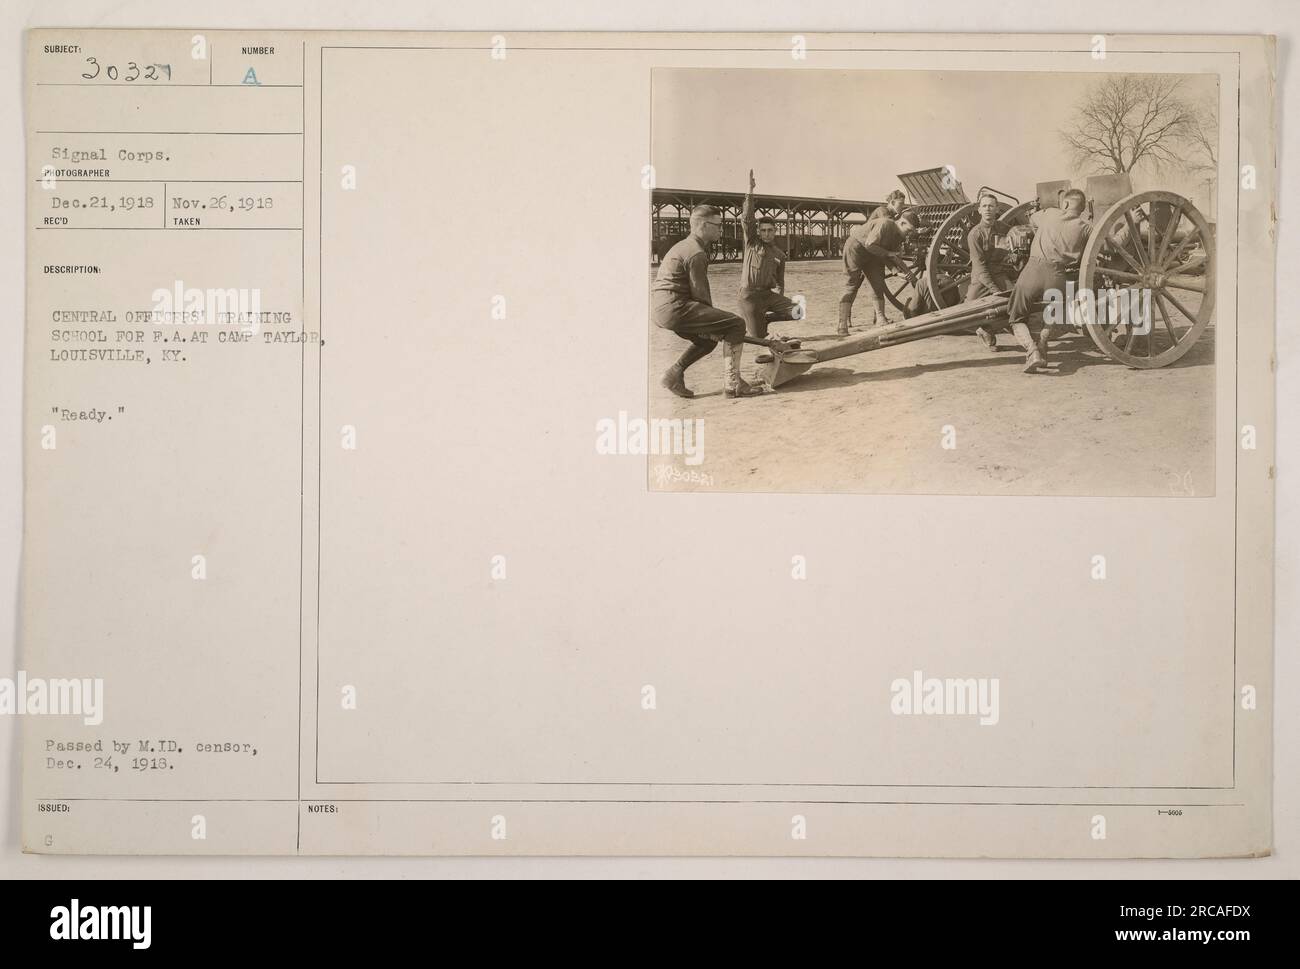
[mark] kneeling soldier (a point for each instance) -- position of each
(683, 303)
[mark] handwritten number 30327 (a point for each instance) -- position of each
(132, 71)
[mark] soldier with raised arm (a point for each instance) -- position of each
(762, 275)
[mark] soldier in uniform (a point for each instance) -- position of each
(987, 243)
(921, 302)
(895, 202)
(1059, 238)
(762, 275)
(871, 247)
(682, 302)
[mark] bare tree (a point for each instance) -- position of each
(1203, 139)
(1127, 120)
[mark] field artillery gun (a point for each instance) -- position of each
(934, 196)
(1153, 245)
(945, 215)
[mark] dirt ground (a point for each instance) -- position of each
(875, 422)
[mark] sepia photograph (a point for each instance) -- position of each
(623, 448)
(924, 282)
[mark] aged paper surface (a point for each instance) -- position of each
(344, 499)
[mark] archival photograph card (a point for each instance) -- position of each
(648, 444)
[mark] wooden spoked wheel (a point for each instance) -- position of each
(898, 282)
(1019, 215)
(1149, 271)
(948, 261)
(947, 264)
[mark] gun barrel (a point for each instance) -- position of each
(952, 319)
